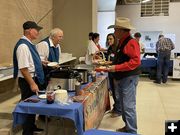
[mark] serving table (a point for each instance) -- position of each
(86, 114)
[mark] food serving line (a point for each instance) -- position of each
(90, 104)
(87, 113)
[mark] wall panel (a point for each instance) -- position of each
(74, 17)
(13, 14)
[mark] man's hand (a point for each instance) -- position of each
(44, 62)
(29, 79)
(34, 87)
(111, 68)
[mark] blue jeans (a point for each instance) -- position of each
(163, 66)
(125, 90)
(116, 105)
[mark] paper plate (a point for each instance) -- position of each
(42, 96)
(99, 69)
(78, 98)
(52, 64)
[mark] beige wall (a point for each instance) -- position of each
(74, 17)
(13, 14)
(94, 15)
(166, 24)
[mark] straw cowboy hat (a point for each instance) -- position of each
(123, 23)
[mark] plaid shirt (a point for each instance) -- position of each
(164, 44)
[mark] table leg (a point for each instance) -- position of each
(63, 126)
(46, 125)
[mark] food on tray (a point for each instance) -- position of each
(108, 62)
(78, 98)
(105, 62)
(102, 62)
(101, 68)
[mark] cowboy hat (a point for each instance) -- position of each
(123, 23)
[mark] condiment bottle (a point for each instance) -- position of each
(50, 94)
(93, 76)
(77, 88)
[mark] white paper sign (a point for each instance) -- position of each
(176, 68)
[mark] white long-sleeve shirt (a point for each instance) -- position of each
(92, 49)
(43, 49)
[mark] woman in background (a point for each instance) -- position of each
(111, 43)
(93, 49)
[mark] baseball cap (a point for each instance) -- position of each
(30, 25)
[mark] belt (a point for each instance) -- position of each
(34, 77)
(164, 50)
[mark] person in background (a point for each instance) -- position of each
(90, 35)
(126, 70)
(137, 36)
(28, 69)
(92, 49)
(49, 50)
(95, 39)
(100, 54)
(163, 49)
(111, 43)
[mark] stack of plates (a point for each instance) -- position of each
(52, 64)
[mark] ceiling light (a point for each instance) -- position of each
(144, 1)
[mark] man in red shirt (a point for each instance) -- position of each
(126, 68)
